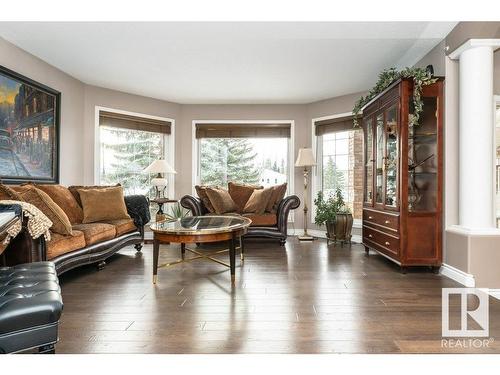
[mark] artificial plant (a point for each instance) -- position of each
(328, 209)
(421, 77)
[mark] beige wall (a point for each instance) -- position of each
(436, 58)
(71, 147)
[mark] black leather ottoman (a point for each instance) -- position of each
(30, 307)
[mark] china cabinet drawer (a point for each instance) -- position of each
(381, 241)
(381, 219)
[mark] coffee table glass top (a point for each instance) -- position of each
(201, 224)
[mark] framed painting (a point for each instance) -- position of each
(29, 130)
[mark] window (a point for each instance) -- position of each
(251, 154)
(126, 149)
(339, 153)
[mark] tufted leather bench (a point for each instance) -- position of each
(30, 307)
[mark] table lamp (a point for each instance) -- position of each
(305, 159)
(159, 182)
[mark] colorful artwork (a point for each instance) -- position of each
(29, 130)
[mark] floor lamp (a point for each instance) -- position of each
(305, 159)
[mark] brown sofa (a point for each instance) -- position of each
(90, 243)
(267, 225)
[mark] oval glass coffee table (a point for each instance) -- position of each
(200, 229)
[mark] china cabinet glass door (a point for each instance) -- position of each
(379, 146)
(391, 156)
(368, 193)
(423, 160)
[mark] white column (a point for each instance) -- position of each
(476, 135)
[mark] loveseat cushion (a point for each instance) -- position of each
(64, 199)
(96, 232)
(122, 226)
(264, 220)
(240, 193)
(59, 244)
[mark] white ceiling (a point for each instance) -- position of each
(233, 62)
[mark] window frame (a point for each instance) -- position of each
(291, 150)
(317, 171)
(168, 144)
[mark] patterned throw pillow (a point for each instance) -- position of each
(240, 193)
(7, 193)
(278, 194)
(258, 201)
(202, 194)
(42, 201)
(221, 201)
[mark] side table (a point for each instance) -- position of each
(160, 215)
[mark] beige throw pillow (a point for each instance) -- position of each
(257, 202)
(103, 204)
(221, 201)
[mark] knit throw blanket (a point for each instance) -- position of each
(38, 223)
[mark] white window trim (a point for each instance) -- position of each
(169, 144)
(357, 223)
(291, 150)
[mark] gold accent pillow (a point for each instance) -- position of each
(42, 201)
(64, 199)
(221, 201)
(240, 193)
(103, 204)
(74, 190)
(258, 201)
(278, 194)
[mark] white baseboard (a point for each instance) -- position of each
(459, 276)
(320, 234)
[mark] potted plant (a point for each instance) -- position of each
(335, 215)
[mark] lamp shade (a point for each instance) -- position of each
(160, 166)
(305, 158)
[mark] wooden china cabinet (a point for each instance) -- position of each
(403, 174)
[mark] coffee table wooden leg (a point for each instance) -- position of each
(183, 250)
(156, 254)
(232, 258)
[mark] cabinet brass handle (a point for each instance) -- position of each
(387, 243)
(370, 217)
(387, 222)
(370, 236)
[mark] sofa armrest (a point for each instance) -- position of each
(195, 205)
(288, 203)
(138, 209)
(25, 249)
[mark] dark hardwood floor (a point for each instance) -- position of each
(302, 298)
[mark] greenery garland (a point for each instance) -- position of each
(421, 77)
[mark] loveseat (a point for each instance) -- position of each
(266, 225)
(89, 243)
